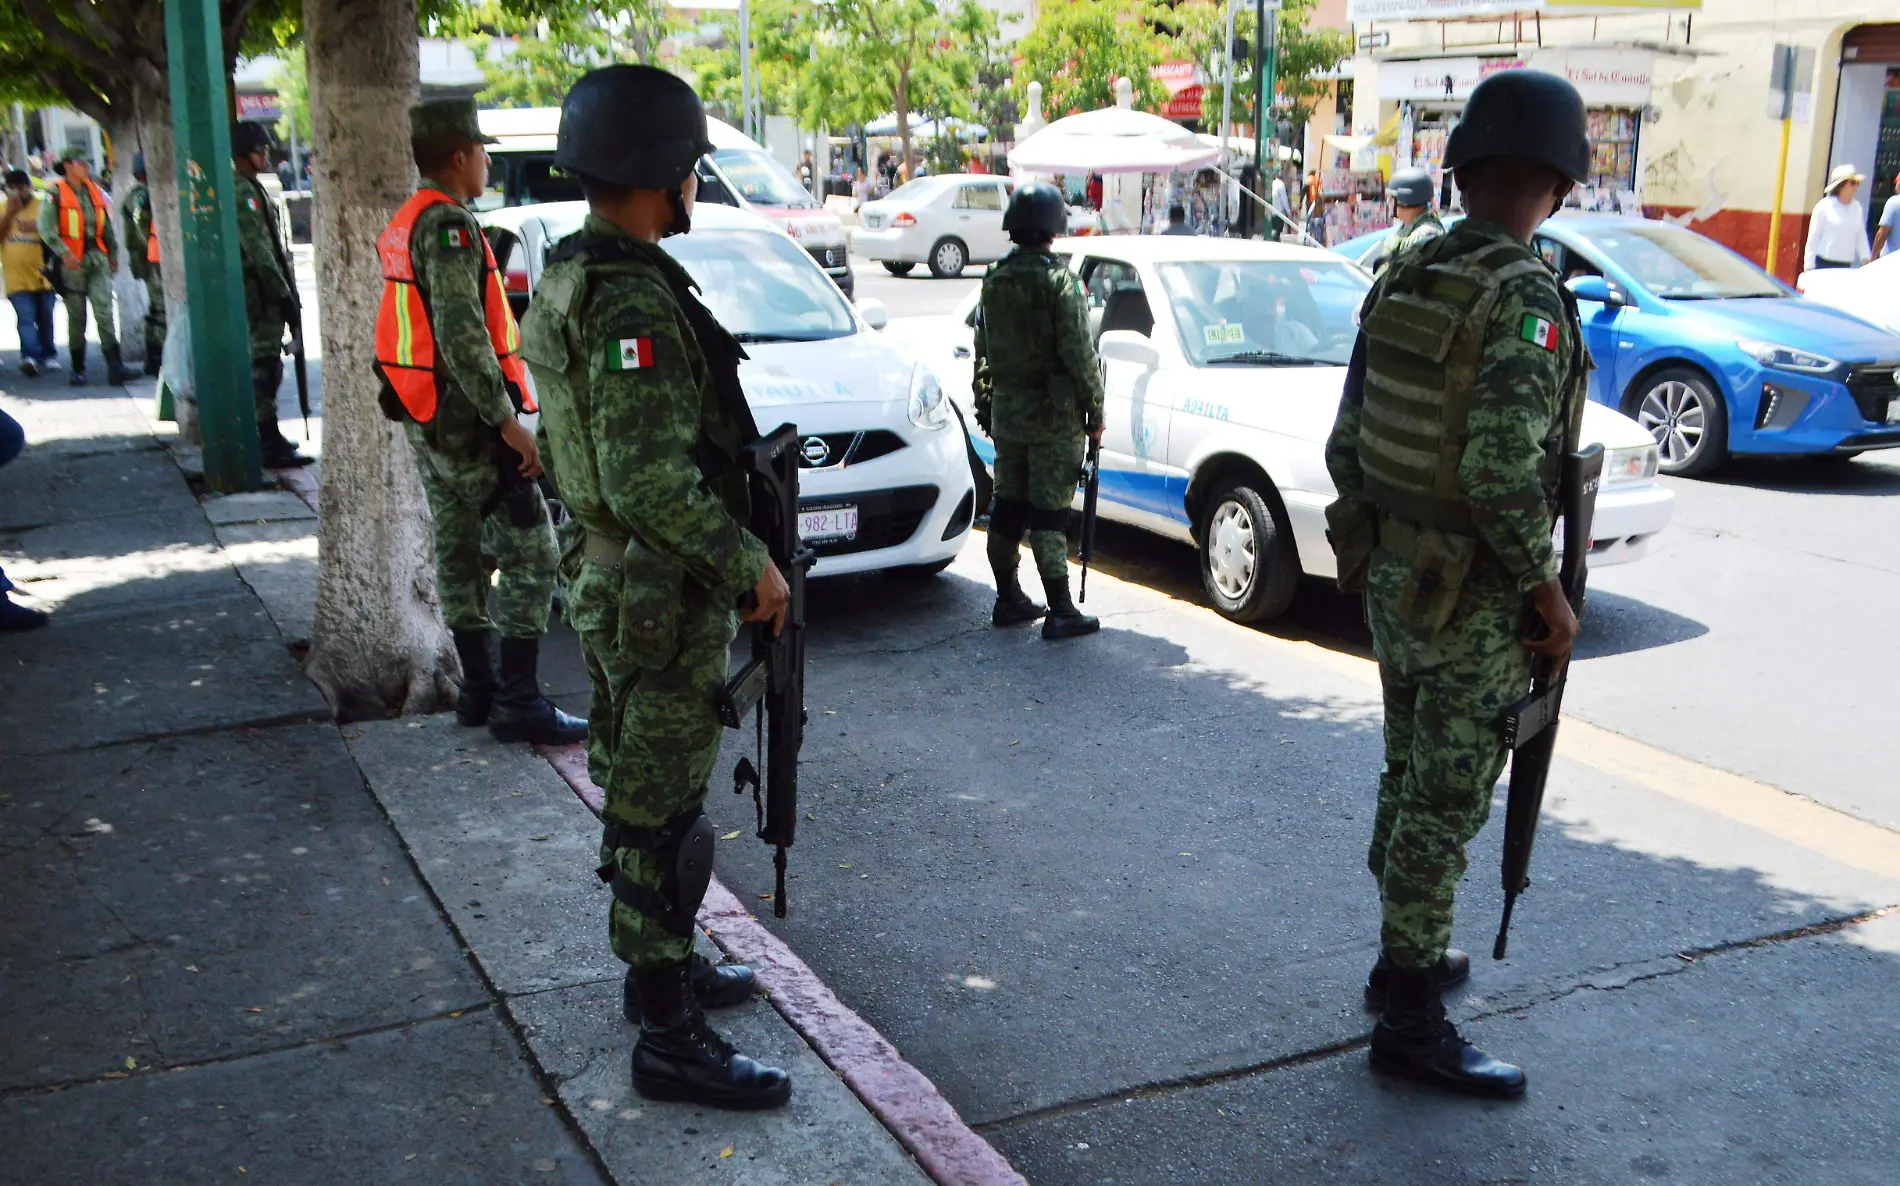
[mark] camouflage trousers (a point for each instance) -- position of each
(267, 375)
(154, 312)
(467, 541)
(1041, 479)
(652, 740)
(1445, 697)
(90, 284)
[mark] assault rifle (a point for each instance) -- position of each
(1530, 727)
(293, 317)
(771, 685)
(1091, 493)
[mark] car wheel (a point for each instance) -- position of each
(1685, 414)
(898, 268)
(947, 259)
(1248, 565)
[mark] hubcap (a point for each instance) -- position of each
(1230, 550)
(1673, 413)
(950, 257)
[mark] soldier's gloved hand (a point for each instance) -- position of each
(1560, 623)
(518, 438)
(770, 599)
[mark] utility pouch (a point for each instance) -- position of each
(1439, 563)
(651, 587)
(1352, 528)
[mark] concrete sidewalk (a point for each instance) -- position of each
(243, 941)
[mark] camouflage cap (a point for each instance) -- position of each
(76, 152)
(446, 117)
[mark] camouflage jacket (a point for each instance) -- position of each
(638, 443)
(1529, 391)
(1422, 229)
(136, 210)
(266, 271)
(1035, 363)
(471, 395)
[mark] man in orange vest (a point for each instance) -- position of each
(141, 251)
(449, 355)
(76, 229)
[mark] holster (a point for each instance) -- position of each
(1352, 527)
(1439, 562)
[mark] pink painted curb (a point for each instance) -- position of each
(300, 482)
(897, 1093)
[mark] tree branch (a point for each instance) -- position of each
(56, 31)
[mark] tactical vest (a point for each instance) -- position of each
(72, 229)
(405, 341)
(1425, 341)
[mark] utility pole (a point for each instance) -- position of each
(1226, 113)
(746, 82)
(207, 210)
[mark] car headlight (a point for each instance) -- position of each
(1624, 466)
(1787, 358)
(929, 408)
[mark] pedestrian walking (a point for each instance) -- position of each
(74, 225)
(645, 423)
(268, 288)
(448, 352)
(1411, 194)
(1177, 220)
(141, 249)
(1885, 241)
(25, 262)
(1837, 230)
(1039, 396)
(1466, 386)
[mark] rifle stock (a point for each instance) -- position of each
(1530, 727)
(771, 684)
(1091, 493)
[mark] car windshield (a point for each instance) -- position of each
(761, 180)
(1264, 312)
(762, 287)
(1679, 265)
(924, 189)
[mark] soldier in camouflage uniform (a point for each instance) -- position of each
(447, 349)
(139, 250)
(1039, 396)
(88, 254)
(644, 421)
(1466, 386)
(268, 281)
(1411, 194)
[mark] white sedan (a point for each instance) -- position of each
(1870, 292)
(884, 478)
(1219, 408)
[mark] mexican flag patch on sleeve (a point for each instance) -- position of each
(454, 236)
(630, 354)
(1539, 332)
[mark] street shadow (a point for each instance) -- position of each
(1869, 476)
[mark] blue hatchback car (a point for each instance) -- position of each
(1708, 352)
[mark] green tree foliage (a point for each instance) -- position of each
(532, 52)
(1077, 49)
(293, 95)
(1196, 32)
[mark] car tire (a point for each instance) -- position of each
(898, 267)
(1685, 413)
(948, 258)
(1248, 565)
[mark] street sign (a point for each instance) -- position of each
(1791, 69)
(1378, 40)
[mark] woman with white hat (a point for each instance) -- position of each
(1837, 231)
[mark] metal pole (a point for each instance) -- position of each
(207, 208)
(1226, 109)
(19, 129)
(745, 69)
(1260, 102)
(1781, 165)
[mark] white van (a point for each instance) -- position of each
(737, 172)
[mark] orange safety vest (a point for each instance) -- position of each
(151, 243)
(72, 231)
(405, 343)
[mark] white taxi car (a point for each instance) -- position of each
(884, 479)
(1223, 361)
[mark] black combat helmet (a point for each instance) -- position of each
(632, 126)
(1528, 114)
(1036, 212)
(249, 138)
(1410, 187)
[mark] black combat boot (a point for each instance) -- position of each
(116, 374)
(1013, 606)
(1452, 969)
(478, 678)
(78, 351)
(520, 711)
(1064, 620)
(679, 1057)
(1415, 1040)
(715, 986)
(278, 452)
(154, 359)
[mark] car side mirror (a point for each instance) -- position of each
(873, 313)
(1598, 289)
(1125, 345)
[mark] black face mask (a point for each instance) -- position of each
(682, 217)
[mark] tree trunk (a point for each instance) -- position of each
(151, 93)
(902, 103)
(379, 646)
(130, 291)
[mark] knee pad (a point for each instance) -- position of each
(684, 848)
(1049, 519)
(1009, 518)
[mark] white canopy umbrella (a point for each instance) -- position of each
(1114, 140)
(926, 129)
(1243, 146)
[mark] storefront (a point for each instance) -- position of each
(1867, 112)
